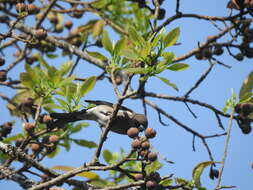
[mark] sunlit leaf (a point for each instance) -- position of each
(172, 37)
(166, 182)
(97, 55)
(106, 42)
(166, 81)
(107, 155)
(85, 143)
(130, 54)
(88, 175)
(51, 56)
(137, 70)
(65, 67)
(154, 166)
(135, 37)
(178, 67)
(119, 46)
(247, 86)
(198, 170)
(88, 85)
(97, 28)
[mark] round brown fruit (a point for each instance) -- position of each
(138, 176)
(218, 50)
(145, 145)
(199, 56)
(68, 24)
(161, 14)
(41, 33)
(151, 184)
(144, 153)
(150, 133)
(3, 75)
(152, 156)
(35, 147)
(133, 132)
(136, 144)
(32, 9)
(29, 127)
(54, 139)
(20, 7)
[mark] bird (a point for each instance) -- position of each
(101, 113)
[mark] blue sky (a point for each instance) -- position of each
(172, 141)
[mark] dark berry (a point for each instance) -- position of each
(2, 61)
(3, 75)
(152, 156)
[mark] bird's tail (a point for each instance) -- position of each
(69, 117)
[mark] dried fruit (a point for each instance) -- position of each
(152, 156)
(150, 133)
(20, 7)
(161, 14)
(239, 56)
(218, 50)
(68, 24)
(54, 139)
(145, 145)
(151, 184)
(136, 144)
(29, 127)
(41, 33)
(133, 132)
(32, 9)
(199, 56)
(35, 147)
(3, 75)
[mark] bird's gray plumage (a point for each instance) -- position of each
(101, 112)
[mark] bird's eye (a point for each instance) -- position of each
(105, 113)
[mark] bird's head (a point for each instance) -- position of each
(141, 120)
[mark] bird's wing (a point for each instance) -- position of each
(99, 102)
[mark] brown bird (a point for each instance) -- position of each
(101, 112)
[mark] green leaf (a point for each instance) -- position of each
(137, 70)
(166, 182)
(106, 42)
(247, 86)
(135, 37)
(65, 68)
(107, 155)
(88, 175)
(119, 46)
(198, 170)
(13, 138)
(87, 86)
(82, 142)
(26, 80)
(130, 54)
(247, 97)
(154, 166)
(172, 37)
(98, 28)
(97, 55)
(166, 81)
(51, 56)
(178, 67)
(61, 102)
(78, 127)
